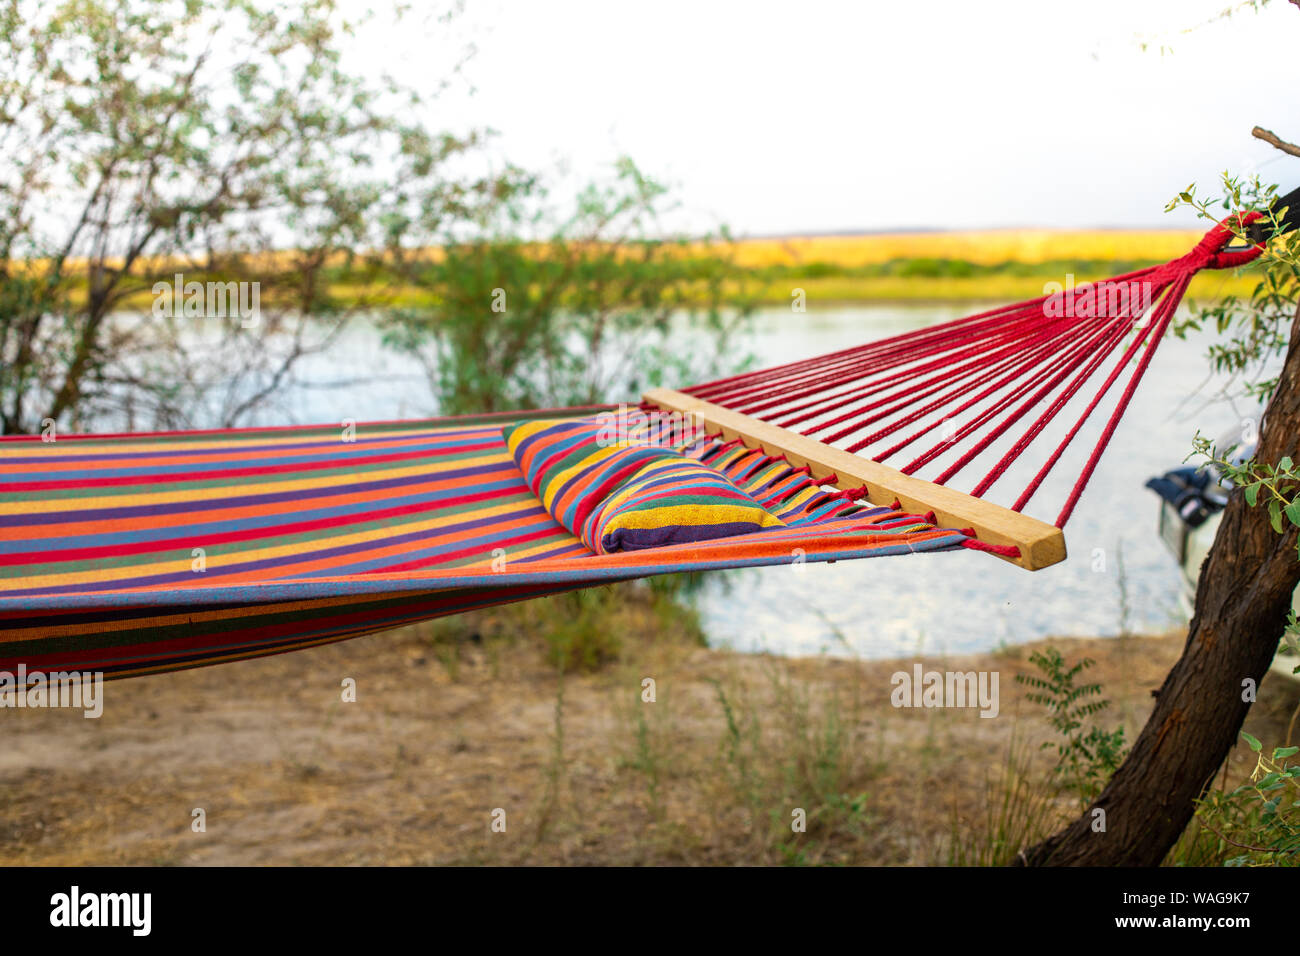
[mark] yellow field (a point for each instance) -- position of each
(984, 247)
(1094, 251)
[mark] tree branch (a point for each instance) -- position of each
(1206, 824)
(1270, 137)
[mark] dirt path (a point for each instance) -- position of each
(712, 771)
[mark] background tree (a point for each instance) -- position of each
(221, 139)
(539, 304)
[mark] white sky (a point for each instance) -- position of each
(822, 116)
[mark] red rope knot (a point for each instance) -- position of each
(930, 518)
(832, 479)
(854, 494)
(1006, 550)
(1210, 252)
(897, 505)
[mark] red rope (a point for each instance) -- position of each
(992, 368)
(1006, 550)
(976, 367)
(1065, 359)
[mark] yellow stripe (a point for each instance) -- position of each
(693, 516)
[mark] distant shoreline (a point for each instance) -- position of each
(837, 270)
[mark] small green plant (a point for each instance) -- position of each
(580, 631)
(1122, 587)
(648, 762)
(738, 744)
(582, 638)
(447, 651)
(556, 768)
(1260, 818)
(1086, 758)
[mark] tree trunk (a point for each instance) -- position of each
(1242, 600)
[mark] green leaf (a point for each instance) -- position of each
(1275, 515)
(1252, 494)
(1281, 752)
(1293, 512)
(1254, 744)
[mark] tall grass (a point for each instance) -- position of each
(1019, 809)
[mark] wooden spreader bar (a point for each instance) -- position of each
(1040, 544)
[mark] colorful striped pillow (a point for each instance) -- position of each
(625, 497)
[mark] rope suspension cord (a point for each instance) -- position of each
(971, 382)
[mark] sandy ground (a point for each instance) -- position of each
(285, 772)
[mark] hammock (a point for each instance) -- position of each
(139, 553)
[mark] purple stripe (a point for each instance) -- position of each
(638, 539)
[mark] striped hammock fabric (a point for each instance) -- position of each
(134, 554)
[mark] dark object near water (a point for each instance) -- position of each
(1192, 492)
(1197, 494)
